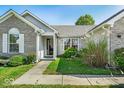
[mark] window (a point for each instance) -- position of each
(13, 40)
(75, 43)
(71, 42)
(67, 43)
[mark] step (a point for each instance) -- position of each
(47, 59)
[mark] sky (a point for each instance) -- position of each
(66, 14)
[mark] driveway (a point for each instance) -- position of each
(35, 76)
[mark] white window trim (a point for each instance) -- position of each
(9, 45)
(5, 43)
(70, 42)
(8, 35)
(78, 44)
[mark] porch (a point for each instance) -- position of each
(46, 47)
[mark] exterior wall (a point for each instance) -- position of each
(60, 45)
(37, 23)
(29, 34)
(117, 29)
(81, 43)
(99, 34)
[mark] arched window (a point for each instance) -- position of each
(13, 40)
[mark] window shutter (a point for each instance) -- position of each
(4, 44)
(21, 43)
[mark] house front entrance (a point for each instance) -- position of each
(49, 47)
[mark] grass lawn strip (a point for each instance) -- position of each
(75, 66)
(12, 72)
(65, 86)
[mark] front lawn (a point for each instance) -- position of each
(11, 73)
(75, 66)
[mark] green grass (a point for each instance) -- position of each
(12, 73)
(65, 86)
(75, 66)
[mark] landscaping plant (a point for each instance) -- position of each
(96, 53)
(119, 57)
(70, 52)
(31, 58)
(17, 60)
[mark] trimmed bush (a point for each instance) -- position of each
(17, 60)
(70, 52)
(119, 57)
(31, 58)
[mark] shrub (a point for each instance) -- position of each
(82, 52)
(17, 60)
(95, 54)
(70, 52)
(31, 58)
(119, 51)
(119, 57)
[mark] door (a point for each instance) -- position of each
(49, 46)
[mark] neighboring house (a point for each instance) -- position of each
(25, 34)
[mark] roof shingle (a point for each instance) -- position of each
(72, 30)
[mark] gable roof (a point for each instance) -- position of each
(72, 30)
(37, 18)
(110, 20)
(11, 12)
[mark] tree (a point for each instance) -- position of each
(85, 20)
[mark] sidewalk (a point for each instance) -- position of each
(35, 76)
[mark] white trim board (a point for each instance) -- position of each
(110, 20)
(11, 13)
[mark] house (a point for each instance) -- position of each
(26, 33)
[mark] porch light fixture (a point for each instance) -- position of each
(119, 36)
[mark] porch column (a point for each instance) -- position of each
(41, 49)
(108, 44)
(54, 46)
(37, 47)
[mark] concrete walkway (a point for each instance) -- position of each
(35, 76)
